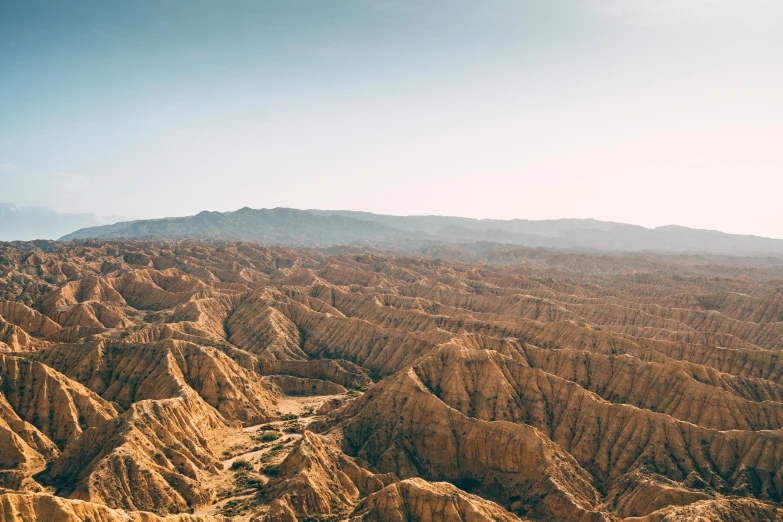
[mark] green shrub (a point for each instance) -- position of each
(276, 450)
(271, 469)
(241, 464)
(269, 436)
(245, 480)
(293, 427)
(235, 507)
(231, 450)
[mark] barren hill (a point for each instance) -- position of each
(204, 381)
(324, 228)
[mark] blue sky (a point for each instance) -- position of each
(629, 110)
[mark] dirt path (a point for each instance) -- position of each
(246, 444)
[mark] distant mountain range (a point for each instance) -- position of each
(323, 228)
(26, 223)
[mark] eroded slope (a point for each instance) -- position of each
(552, 387)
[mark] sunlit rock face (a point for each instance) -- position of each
(189, 381)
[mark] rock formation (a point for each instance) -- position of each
(416, 499)
(146, 381)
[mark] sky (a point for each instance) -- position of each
(640, 111)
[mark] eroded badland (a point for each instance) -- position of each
(197, 382)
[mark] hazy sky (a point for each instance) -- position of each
(644, 111)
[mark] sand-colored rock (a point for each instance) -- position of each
(22, 446)
(340, 372)
(126, 373)
(298, 386)
(534, 384)
(416, 499)
(316, 478)
(153, 457)
(640, 493)
(723, 510)
(56, 405)
(400, 427)
(48, 508)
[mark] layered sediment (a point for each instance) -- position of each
(553, 386)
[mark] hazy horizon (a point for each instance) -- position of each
(112, 219)
(617, 110)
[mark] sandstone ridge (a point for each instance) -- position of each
(202, 381)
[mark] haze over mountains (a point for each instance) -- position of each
(292, 363)
(323, 228)
(39, 222)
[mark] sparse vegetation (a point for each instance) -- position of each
(235, 507)
(233, 450)
(270, 469)
(670, 416)
(224, 492)
(269, 436)
(241, 464)
(244, 481)
(274, 452)
(293, 426)
(323, 518)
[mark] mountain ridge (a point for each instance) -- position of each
(324, 228)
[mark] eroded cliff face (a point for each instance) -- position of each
(317, 479)
(146, 381)
(417, 499)
(46, 508)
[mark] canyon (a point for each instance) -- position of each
(201, 381)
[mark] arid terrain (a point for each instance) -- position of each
(191, 381)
